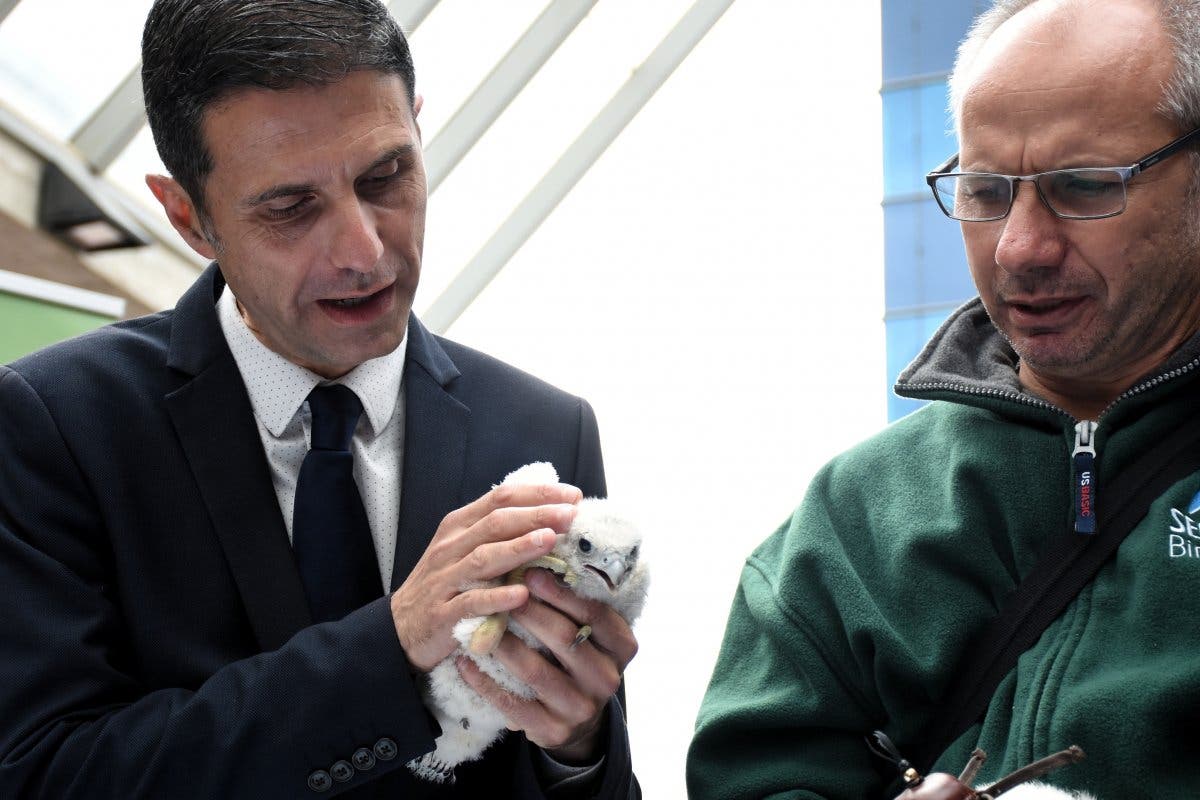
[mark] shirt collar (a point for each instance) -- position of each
(278, 388)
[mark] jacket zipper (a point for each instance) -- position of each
(1084, 459)
(1083, 456)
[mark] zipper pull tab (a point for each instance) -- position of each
(1084, 458)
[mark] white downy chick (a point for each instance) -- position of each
(598, 558)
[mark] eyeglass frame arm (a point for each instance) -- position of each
(1169, 149)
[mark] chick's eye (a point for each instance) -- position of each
(585, 546)
(633, 553)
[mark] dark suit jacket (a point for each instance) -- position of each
(156, 640)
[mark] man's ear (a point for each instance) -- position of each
(418, 101)
(181, 213)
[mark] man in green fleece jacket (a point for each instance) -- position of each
(858, 612)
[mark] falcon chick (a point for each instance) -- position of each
(598, 558)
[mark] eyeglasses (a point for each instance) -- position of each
(1087, 193)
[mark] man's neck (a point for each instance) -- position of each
(1082, 399)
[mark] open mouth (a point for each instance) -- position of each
(1049, 312)
(351, 302)
(1042, 306)
(603, 575)
(358, 309)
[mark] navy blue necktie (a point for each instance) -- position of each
(331, 536)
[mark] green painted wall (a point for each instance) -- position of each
(27, 324)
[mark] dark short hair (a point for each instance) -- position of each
(195, 52)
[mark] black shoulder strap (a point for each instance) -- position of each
(1068, 564)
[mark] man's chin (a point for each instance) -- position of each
(338, 359)
(1034, 341)
(1053, 354)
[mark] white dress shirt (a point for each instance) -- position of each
(278, 392)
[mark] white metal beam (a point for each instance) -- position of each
(66, 159)
(114, 124)
(410, 13)
(128, 214)
(573, 164)
(61, 294)
(503, 83)
(6, 6)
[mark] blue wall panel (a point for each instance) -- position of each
(924, 263)
(923, 257)
(917, 136)
(922, 36)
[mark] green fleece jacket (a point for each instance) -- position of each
(855, 614)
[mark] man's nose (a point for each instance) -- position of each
(354, 241)
(1032, 235)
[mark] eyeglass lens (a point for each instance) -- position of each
(1072, 193)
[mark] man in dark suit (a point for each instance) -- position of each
(163, 633)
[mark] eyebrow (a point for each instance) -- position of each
(286, 190)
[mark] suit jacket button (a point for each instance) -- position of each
(319, 780)
(341, 771)
(385, 749)
(363, 759)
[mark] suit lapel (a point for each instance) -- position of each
(435, 448)
(215, 423)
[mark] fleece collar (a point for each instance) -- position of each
(968, 358)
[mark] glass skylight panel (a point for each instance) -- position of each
(557, 105)
(457, 45)
(60, 59)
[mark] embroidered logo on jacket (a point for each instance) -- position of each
(1183, 541)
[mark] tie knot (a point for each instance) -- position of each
(335, 412)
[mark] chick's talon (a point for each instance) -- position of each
(553, 563)
(487, 636)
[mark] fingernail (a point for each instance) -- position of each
(538, 537)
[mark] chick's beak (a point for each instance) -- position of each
(614, 567)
